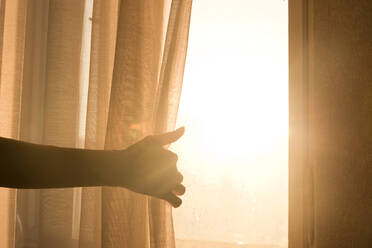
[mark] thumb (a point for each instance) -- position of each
(170, 137)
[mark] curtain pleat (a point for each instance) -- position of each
(12, 50)
(27, 213)
(136, 72)
(173, 64)
(166, 106)
(2, 16)
(61, 110)
(104, 29)
(137, 55)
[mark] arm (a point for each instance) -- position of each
(26, 165)
(145, 167)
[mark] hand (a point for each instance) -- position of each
(151, 169)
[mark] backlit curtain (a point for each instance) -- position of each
(97, 74)
(330, 172)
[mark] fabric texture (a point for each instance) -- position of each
(330, 121)
(100, 81)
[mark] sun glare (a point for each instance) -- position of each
(235, 109)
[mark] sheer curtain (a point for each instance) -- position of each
(96, 74)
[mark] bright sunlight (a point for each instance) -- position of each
(234, 105)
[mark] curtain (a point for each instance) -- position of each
(330, 187)
(95, 74)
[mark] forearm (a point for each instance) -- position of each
(25, 165)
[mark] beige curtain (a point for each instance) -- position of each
(330, 172)
(97, 74)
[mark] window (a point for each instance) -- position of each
(235, 108)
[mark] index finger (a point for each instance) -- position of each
(170, 137)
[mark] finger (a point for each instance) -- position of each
(167, 159)
(167, 182)
(178, 178)
(173, 157)
(170, 137)
(179, 190)
(172, 199)
(172, 182)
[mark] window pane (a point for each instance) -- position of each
(235, 108)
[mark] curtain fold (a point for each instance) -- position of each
(330, 114)
(136, 59)
(12, 50)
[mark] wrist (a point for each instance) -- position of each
(114, 168)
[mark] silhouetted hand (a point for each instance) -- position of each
(151, 169)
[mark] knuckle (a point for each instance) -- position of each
(173, 157)
(179, 177)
